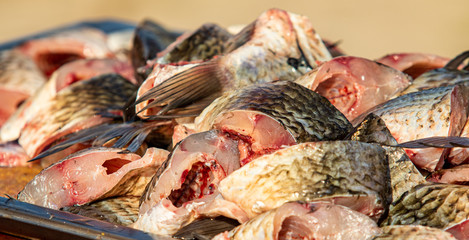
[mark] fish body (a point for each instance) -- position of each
(348, 173)
(353, 84)
(76, 107)
(278, 45)
(19, 79)
(73, 180)
(302, 220)
(65, 76)
(432, 112)
(414, 64)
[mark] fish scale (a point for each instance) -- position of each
(433, 205)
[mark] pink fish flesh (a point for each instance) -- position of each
(90, 175)
(354, 85)
(12, 155)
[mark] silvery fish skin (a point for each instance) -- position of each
(354, 84)
(52, 51)
(348, 173)
(306, 115)
(278, 45)
(92, 174)
(414, 64)
(186, 186)
(118, 210)
(413, 232)
(19, 79)
(432, 112)
(66, 75)
(76, 107)
(403, 173)
(203, 43)
(443, 206)
(301, 220)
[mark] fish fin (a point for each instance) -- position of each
(184, 88)
(71, 139)
(206, 228)
(457, 61)
(240, 38)
(192, 110)
(437, 142)
(128, 111)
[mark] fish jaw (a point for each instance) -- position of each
(413, 64)
(188, 180)
(354, 85)
(285, 175)
(301, 220)
(72, 181)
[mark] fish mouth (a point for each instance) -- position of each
(49, 62)
(113, 165)
(343, 94)
(294, 227)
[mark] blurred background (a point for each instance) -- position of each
(367, 28)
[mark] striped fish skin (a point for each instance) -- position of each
(440, 77)
(349, 173)
(413, 232)
(301, 220)
(433, 112)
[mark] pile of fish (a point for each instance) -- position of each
(267, 132)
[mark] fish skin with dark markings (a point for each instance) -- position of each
(203, 43)
(437, 205)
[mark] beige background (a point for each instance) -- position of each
(370, 28)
